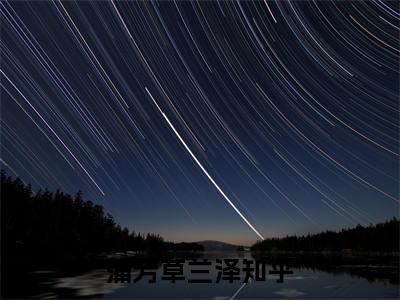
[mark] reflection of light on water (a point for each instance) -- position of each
(339, 285)
(89, 284)
(238, 291)
(290, 293)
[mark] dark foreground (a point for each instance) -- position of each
(304, 276)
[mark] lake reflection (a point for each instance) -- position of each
(309, 280)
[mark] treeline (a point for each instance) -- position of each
(382, 237)
(49, 224)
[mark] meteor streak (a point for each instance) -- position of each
(202, 168)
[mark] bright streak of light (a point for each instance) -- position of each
(203, 169)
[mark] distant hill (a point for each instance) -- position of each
(217, 246)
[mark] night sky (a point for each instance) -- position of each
(207, 120)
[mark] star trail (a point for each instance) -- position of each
(229, 120)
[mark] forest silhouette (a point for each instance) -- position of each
(53, 225)
(49, 226)
(379, 238)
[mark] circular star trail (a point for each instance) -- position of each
(207, 120)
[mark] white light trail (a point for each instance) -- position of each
(202, 168)
(51, 129)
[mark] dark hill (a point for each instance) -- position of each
(217, 246)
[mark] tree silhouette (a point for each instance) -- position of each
(382, 237)
(50, 226)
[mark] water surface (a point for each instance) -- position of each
(307, 281)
